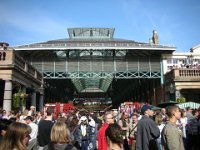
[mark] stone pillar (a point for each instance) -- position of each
(41, 105)
(33, 99)
(7, 102)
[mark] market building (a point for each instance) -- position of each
(92, 67)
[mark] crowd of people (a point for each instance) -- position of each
(170, 128)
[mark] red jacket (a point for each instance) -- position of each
(101, 137)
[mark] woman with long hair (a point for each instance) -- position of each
(60, 138)
(16, 137)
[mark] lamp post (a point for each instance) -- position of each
(171, 90)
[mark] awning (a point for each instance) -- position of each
(189, 104)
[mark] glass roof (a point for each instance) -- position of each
(80, 33)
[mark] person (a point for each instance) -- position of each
(101, 138)
(31, 111)
(60, 138)
(147, 130)
(33, 134)
(189, 114)
(133, 131)
(114, 137)
(163, 113)
(125, 125)
(182, 123)
(23, 116)
(4, 123)
(16, 137)
(171, 135)
(83, 134)
(160, 123)
(44, 129)
(193, 126)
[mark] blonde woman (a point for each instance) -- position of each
(16, 137)
(23, 116)
(60, 138)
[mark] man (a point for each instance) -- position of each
(189, 114)
(31, 111)
(34, 132)
(171, 135)
(44, 129)
(108, 119)
(125, 125)
(147, 130)
(133, 131)
(163, 113)
(84, 134)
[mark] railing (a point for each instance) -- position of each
(186, 74)
(8, 58)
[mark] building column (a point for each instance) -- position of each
(41, 103)
(33, 99)
(7, 101)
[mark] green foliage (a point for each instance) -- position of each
(18, 98)
(181, 100)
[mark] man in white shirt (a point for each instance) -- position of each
(34, 132)
(31, 111)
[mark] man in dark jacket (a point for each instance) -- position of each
(147, 130)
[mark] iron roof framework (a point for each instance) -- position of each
(95, 69)
(91, 58)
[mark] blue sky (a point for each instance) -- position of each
(29, 21)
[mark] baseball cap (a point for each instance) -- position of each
(145, 107)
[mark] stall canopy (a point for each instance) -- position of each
(168, 103)
(189, 104)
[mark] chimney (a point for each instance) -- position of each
(155, 37)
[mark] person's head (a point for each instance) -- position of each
(188, 109)
(32, 108)
(4, 123)
(163, 111)
(108, 118)
(29, 119)
(173, 112)
(158, 119)
(114, 134)
(50, 111)
(83, 120)
(195, 112)
(60, 133)
(135, 118)
(125, 115)
(147, 110)
(25, 112)
(16, 137)
(183, 113)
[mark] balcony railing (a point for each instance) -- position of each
(186, 74)
(8, 58)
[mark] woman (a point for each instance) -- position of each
(60, 138)
(114, 137)
(16, 137)
(161, 125)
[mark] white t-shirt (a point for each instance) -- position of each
(34, 131)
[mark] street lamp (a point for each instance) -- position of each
(171, 90)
